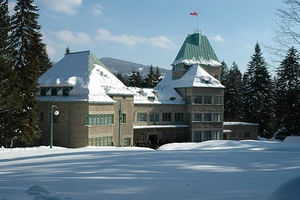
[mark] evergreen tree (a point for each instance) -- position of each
(135, 79)
(258, 94)
(67, 51)
(157, 76)
(288, 92)
(233, 94)
(30, 62)
(121, 78)
(224, 72)
(8, 82)
(149, 80)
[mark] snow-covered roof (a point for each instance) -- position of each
(87, 75)
(239, 123)
(165, 91)
(196, 76)
(197, 60)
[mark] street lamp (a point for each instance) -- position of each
(119, 133)
(56, 112)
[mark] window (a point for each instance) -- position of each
(247, 135)
(188, 100)
(218, 100)
(207, 135)
(54, 91)
(103, 119)
(177, 68)
(154, 117)
(166, 117)
(151, 98)
(66, 91)
(187, 117)
(178, 117)
(207, 99)
(232, 135)
(101, 141)
(198, 100)
(41, 117)
(127, 142)
(207, 117)
(123, 118)
(216, 135)
(43, 91)
(142, 117)
(197, 136)
(198, 117)
(216, 117)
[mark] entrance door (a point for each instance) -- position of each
(224, 136)
(153, 141)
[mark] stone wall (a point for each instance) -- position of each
(127, 107)
(70, 130)
(240, 132)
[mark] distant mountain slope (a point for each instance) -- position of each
(125, 67)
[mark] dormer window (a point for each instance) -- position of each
(172, 98)
(151, 98)
(66, 91)
(43, 91)
(54, 91)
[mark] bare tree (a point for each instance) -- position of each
(289, 23)
(288, 26)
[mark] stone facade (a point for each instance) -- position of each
(69, 130)
(95, 107)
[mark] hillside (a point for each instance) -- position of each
(125, 67)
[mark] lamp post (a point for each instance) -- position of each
(51, 123)
(119, 135)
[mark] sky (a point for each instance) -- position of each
(152, 31)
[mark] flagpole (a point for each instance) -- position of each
(197, 21)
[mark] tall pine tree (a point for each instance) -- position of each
(157, 76)
(9, 103)
(149, 80)
(30, 61)
(233, 94)
(288, 93)
(135, 79)
(258, 94)
(224, 72)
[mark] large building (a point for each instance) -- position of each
(98, 109)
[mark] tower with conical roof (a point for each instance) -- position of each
(196, 49)
(195, 77)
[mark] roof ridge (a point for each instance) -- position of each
(79, 52)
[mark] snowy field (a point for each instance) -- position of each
(209, 170)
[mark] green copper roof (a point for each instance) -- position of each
(196, 47)
(94, 60)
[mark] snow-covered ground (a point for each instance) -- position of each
(209, 170)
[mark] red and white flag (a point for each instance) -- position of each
(194, 13)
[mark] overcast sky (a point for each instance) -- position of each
(152, 31)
